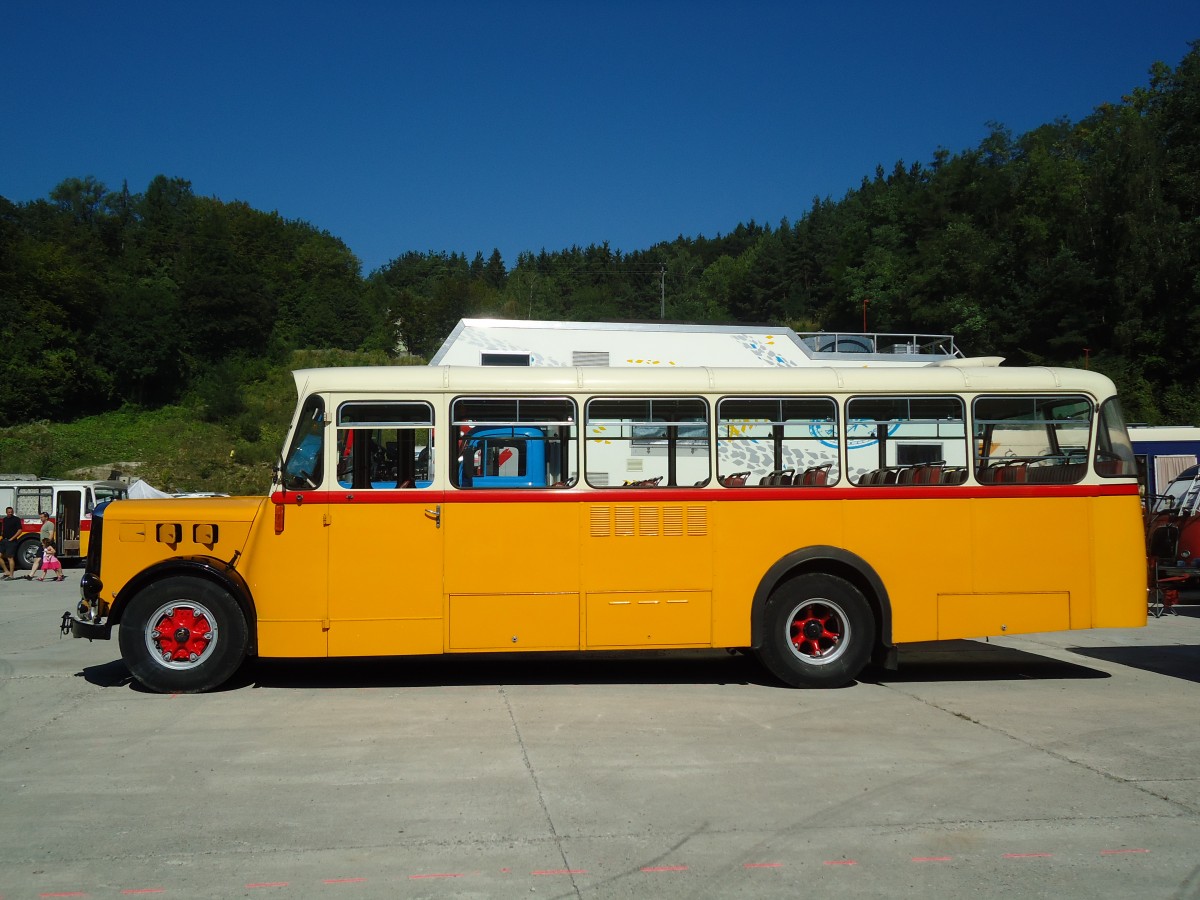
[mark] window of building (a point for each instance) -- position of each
(504, 359)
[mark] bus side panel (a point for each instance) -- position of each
(385, 585)
(510, 547)
(85, 536)
(649, 619)
(1118, 563)
(647, 573)
(647, 546)
(1021, 543)
(511, 569)
(140, 533)
(288, 577)
(752, 537)
(908, 545)
(513, 622)
(973, 615)
(918, 547)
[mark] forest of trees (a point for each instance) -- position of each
(1072, 239)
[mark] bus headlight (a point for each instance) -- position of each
(90, 587)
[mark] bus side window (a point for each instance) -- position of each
(1039, 439)
(902, 440)
(303, 465)
(515, 442)
(777, 441)
(647, 442)
(383, 445)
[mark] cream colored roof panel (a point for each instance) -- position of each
(561, 380)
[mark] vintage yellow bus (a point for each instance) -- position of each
(818, 517)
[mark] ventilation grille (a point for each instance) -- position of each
(648, 521)
(589, 357)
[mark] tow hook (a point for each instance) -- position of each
(65, 627)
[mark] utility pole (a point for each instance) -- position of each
(662, 292)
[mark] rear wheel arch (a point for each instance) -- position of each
(833, 561)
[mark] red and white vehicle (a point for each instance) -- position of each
(70, 504)
(1173, 540)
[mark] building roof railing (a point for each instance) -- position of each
(891, 343)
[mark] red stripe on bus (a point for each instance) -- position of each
(36, 527)
(702, 495)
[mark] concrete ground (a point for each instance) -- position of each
(1057, 765)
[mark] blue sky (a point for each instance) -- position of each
(521, 126)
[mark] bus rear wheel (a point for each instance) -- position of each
(183, 635)
(819, 631)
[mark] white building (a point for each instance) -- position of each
(517, 342)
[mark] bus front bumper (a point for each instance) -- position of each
(79, 628)
(88, 620)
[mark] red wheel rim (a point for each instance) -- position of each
(181, 635)
(818, 631)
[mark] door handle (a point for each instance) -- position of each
(435, 514)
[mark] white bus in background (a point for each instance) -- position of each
(1163, 452)
(70, 504)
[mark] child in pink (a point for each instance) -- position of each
(50, 561)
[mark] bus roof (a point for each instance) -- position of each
(559, 380)
(34, 481)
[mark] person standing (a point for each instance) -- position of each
(10, 527)
(47, 533)
(50, 561)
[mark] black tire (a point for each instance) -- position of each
(204, 629)
(27, 554)
(819, 631)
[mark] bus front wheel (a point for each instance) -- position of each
(183, 635)
(819, 631)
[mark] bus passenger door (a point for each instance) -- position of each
(385, 532)
(287, 558)
(512, 541)
(68, 517)
(385, 572)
